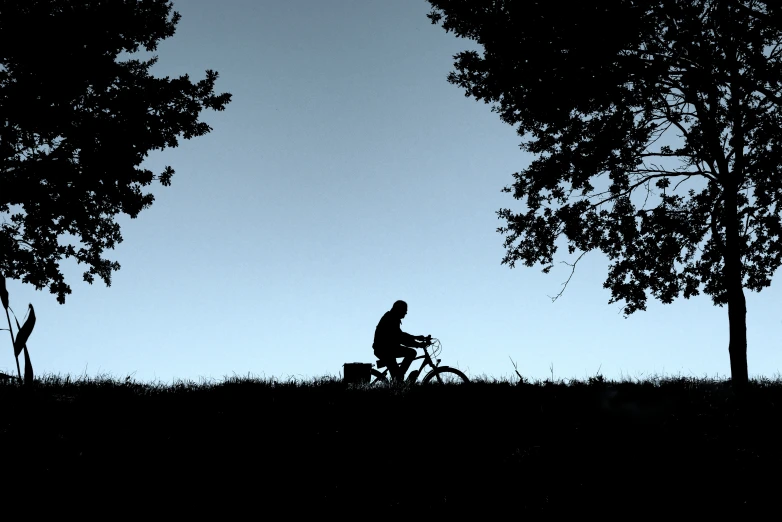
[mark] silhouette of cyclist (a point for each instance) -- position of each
(391, 342)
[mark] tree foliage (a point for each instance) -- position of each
(656, 127)
(79, 113)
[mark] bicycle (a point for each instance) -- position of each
(438, 374)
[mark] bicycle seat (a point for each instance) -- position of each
(380, 364)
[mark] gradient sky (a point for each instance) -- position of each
(348, 173)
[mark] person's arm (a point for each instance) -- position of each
(415, 341)
(407, 339)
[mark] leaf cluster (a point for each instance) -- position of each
(655, 126)
(79, 113)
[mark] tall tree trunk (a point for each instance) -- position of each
(734, 267)
(737, 303)
(737, 316)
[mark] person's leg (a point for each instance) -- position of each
(409, 355)
(388, 357)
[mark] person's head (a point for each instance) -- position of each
(400, 309)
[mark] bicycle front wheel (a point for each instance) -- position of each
(445, 375)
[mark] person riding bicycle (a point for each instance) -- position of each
(391, 342)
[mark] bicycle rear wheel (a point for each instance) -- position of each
(445, 375)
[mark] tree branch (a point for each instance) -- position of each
(646, 179)
(714, 231)
(572, 271)
(676, 187)
(770, 95)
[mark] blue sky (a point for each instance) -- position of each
(348, 173)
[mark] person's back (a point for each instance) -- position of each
(391, 342)
(389, 334)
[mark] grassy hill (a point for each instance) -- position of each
(663, 447)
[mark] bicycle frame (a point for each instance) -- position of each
(440, 374)
(427, 361)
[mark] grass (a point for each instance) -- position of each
(670, 446)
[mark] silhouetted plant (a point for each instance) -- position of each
(522, 380)
(23, 332)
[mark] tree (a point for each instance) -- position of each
(77, 120)
(656, 127)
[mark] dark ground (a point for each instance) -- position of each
(649, 450)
